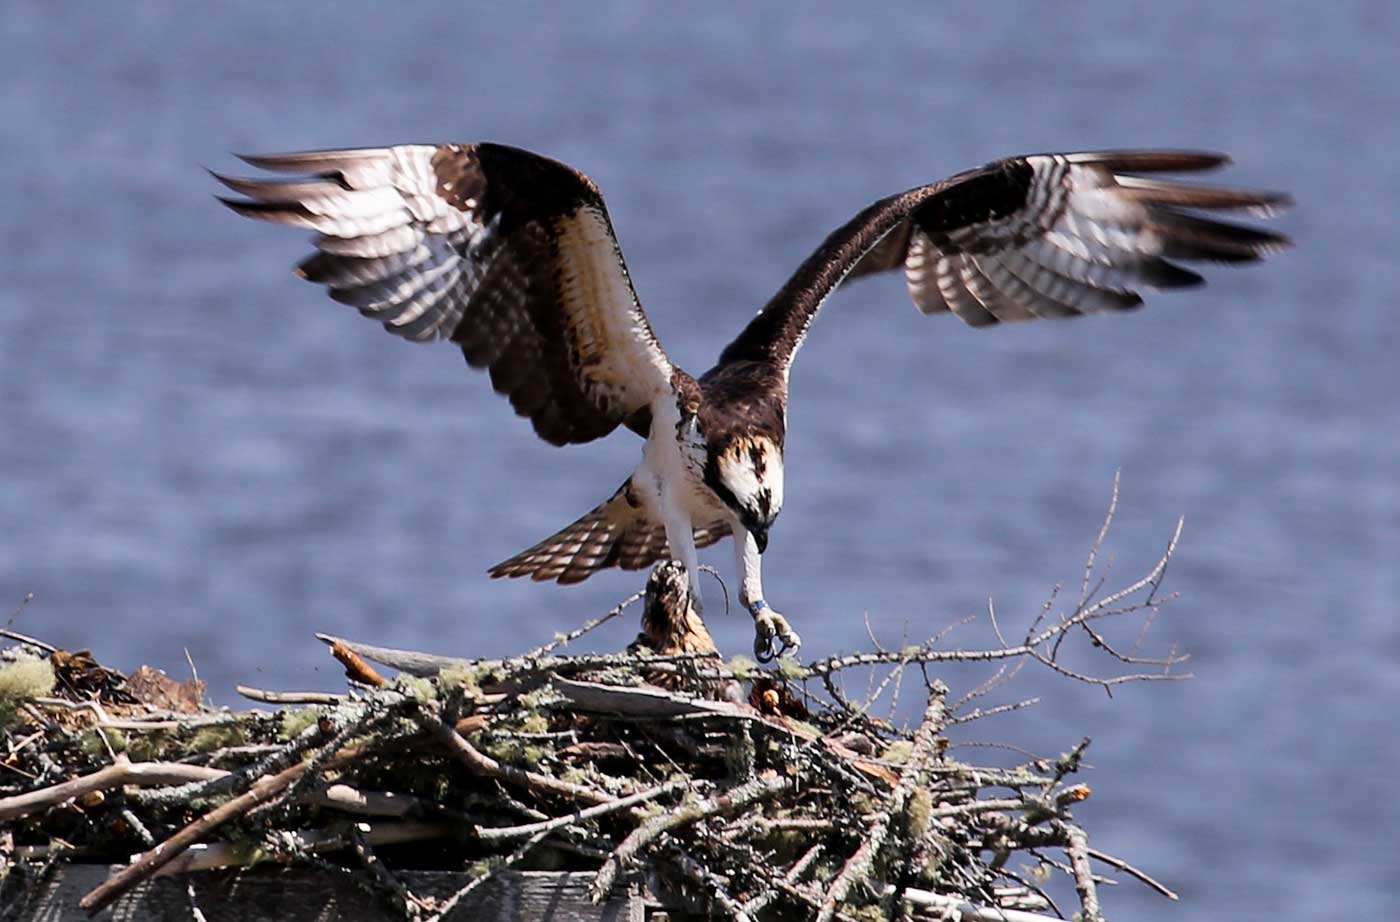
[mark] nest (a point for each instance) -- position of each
(716, 787)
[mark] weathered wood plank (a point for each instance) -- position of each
(278, 894)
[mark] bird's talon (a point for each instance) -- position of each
(769, 626)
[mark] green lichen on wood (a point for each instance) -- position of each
(24, 679)
(219, 736)
(743, 667)
(294, 721)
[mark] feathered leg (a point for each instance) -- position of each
(768, 625)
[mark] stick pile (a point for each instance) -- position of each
(719, 787)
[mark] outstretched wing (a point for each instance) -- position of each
(1046, 235)
(506, 253)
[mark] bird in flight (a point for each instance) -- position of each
(511, 256)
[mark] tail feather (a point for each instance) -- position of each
(612, 534)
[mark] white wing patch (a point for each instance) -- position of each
(1084, 240)
(611, 342)
(508, 254)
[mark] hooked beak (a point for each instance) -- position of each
(760, 536)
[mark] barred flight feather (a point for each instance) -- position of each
(507, 253)
(1044, 235)
(613, 534)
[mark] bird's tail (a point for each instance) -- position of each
(616, 533)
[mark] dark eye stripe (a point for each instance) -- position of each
(756, 457)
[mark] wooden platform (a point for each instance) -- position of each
(279, 894)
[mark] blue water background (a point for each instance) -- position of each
(201, 452)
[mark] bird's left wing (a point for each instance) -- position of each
(1045, 235)
(509, 254)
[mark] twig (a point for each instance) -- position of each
(501, 833)
(446, 907)
(799, 867)
(104, 721)
(27, 640)
(194, 675)
(1067, 764)
(573, 635)
(196, 914)
(719, 578)
(355, 667)
(1131, 871)
(482, 764)
(955, 907)
(138, 828)
(1084, 593)
(519, 668)
(733, 799)
(1077, 846)
(409, 661)
(979, 713)
(119, 773)
(148, 863)
(403, 899)
(28, 597)
(214, 855)
(859, 865)
(302, 697)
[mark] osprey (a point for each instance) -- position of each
(512, 257)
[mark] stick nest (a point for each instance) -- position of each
(720, 788)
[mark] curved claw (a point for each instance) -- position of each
(770, 626)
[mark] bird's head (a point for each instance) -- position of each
(747, 473)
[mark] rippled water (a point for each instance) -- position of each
(202, 452)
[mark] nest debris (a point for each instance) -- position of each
(721, 788)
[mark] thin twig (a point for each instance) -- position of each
(403, 898)
(447, 906)
(1131, 871)
(1098, 542)
(799, 867)
(733, 799)
(501, 833)
(563, 639)
(27, 640)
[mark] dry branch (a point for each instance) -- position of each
(291, 845)
(122, 772)
(146, 865)
(649, 831)
(859, 866)
(501, 833)
(487, 767)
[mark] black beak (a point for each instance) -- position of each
(760, 537)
